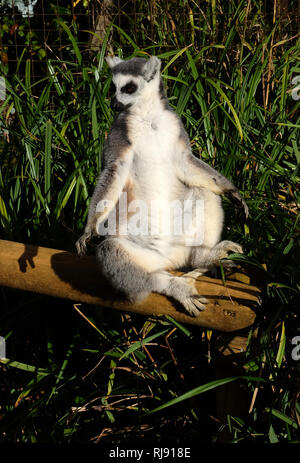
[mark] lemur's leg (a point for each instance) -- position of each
(136, 273)
(203, 258)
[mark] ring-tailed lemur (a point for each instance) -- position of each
(147, 155)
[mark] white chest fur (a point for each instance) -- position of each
(153, 136)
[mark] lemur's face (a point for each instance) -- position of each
(133, 80)
(127, 90)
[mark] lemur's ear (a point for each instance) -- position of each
(151, 68)
(112, 61)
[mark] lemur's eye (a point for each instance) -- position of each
(129, 88)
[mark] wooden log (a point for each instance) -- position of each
(65, 275)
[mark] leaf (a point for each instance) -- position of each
(24, 367)
(223, 94)
(54, 78)
(179, 53)
(281, 349)
(61, 372)
(72, 39)
(282, 417)
(3, 211)
(139, 344)
(47, 161)
(111, 378)
(64, 195)
(33, 383)
(179, 326)
(122, 32)
(200, 389)
(272, 435)
(288, 247)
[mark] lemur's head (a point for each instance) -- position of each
(135, 81)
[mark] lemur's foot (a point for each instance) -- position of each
(194, 304)
(223, 249)
(184, 291)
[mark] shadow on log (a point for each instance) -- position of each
(65, 275)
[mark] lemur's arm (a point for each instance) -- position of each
(118, 157)
(196, 173)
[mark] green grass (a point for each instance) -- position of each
(75, 375)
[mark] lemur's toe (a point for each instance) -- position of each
(229, 246)
(193, 275)
(194, 305)
(234, 247)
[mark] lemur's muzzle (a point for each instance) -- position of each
(116, 105)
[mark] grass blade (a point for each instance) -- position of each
(72, 40)
(200, 389)
(139, 344)
(47, 161)
(278, 414)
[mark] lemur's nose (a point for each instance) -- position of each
(117, 105)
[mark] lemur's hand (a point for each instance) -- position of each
(239, 201)
(82, 242)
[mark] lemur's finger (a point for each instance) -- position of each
(81, 247)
